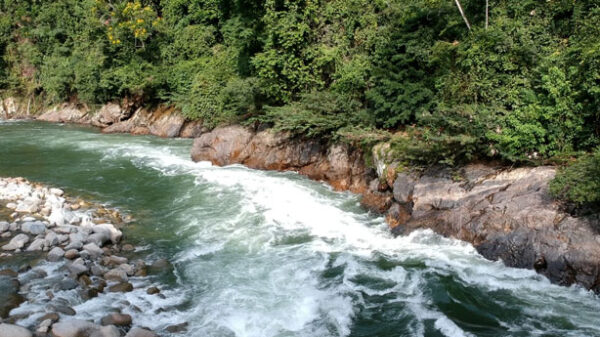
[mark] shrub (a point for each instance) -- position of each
(579, 182)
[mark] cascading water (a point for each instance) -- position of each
(274, 254)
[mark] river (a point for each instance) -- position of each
(274, 254)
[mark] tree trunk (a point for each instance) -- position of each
(462, 13)
(487, 13)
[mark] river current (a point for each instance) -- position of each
(261, 254)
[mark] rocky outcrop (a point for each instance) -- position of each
(506, 214)
(67, 113)
(161, 121)
(340, 165)
(13, 108)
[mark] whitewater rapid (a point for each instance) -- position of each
(274, 254)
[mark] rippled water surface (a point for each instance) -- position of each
(274, 254)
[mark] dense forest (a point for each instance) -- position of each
(444, 81)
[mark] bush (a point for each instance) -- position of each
(580, 181)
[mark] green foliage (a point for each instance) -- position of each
(316, 114)
(526, 88)
(580, 181)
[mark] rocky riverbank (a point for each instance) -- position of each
(60, 246)
(505, 213)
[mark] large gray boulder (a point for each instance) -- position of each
(10, 330)
(17, 242)
(33, 227)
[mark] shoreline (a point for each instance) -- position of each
(62, 251)
(507, 214)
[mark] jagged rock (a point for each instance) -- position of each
(162, 121)
(340, 165)
(403, 187)
(17, 242)
(193, 129)
(108, 114)
(9, 330)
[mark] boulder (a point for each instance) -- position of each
(116, 275)
(4, 226)
(51, 239)
(36, 245)
(71, 254)
(10, 330)
(121, 288)
(108, 114)
(34, 227)
(55, 254)
(17, 242)
(109, 230)
(116, 319)
(74, 328)
(93, 250)
(139, 332)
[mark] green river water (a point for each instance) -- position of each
(274, 254)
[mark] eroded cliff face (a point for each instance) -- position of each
(339, 165)
(113, 117)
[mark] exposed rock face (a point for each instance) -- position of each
(340, 165)
(13, 108)
(66, 113)
(505, 214)
(193, 129)
(109, 114)
(162, 122)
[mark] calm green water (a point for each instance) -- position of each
(274, 254)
